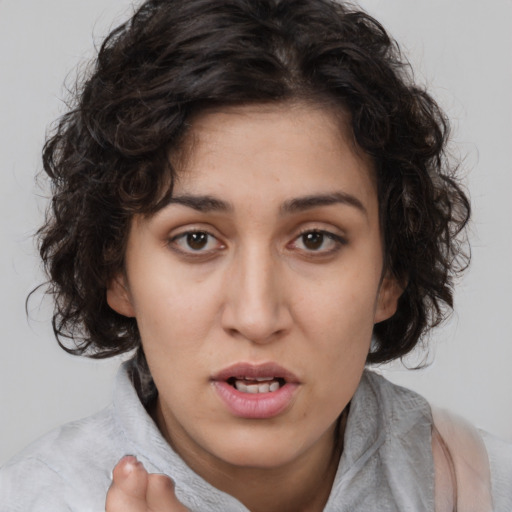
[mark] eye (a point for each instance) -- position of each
(196, 242)
(318, 241)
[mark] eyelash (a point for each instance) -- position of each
(190, 252)
(338, 241)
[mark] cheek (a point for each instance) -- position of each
(171, 325)
(176, 311)
(340, 306)
(338, 322)
(167, 298)
(342, 349)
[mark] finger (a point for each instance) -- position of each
(160, 495)
(129, 486)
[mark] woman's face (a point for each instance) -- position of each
(256, 289)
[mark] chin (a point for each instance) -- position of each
(256, 458)
(251, 449)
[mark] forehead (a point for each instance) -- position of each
(283, 150)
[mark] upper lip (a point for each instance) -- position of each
(255, 370)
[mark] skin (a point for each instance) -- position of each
(278, 279)
(134, 490)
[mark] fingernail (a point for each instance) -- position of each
(130, 463)
(129, 459)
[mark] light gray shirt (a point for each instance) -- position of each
(386, 463)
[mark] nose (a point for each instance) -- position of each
(256, 308)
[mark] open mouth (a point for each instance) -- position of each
(255, 385)
(256, 390)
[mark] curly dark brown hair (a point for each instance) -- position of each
(108, 157)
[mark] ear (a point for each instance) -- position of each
(118, 296)
(387, 300)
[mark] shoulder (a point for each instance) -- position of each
(407, 413)
(386, 462)
(500, 460)
(407, 418)
(401, 409)
(64, 468)
(70, 467)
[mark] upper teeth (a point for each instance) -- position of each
(270, 385)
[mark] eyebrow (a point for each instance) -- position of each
(202, 204)
(316, 200)
(207, 203)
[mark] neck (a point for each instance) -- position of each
(303, 485)
(294, 488)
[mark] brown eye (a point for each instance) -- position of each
(196, 243)
(318, 242)
(197, 240)
(313, 240)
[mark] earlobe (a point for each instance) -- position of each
(387, 302)
(118, 296)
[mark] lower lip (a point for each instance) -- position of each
(256, 405)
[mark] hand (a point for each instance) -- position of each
(133, 489)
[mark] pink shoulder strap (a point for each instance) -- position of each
(462, 472)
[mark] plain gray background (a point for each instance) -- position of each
(461, 48)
